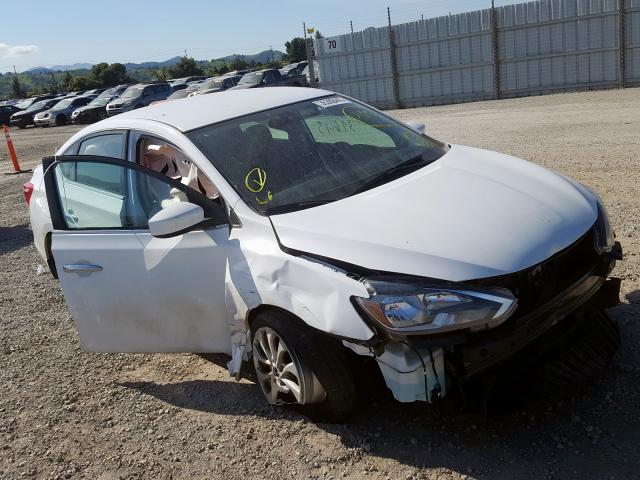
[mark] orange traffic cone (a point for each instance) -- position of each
(12, 154)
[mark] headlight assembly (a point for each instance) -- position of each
(604, 237)
(417, 309)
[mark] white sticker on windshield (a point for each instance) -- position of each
(331, 101)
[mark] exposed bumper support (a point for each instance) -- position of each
(591, 293)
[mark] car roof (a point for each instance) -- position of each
(194, 112)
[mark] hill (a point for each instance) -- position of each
(262, 57)
(60, 68)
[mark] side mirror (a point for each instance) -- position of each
(417, 126)
(176, 219)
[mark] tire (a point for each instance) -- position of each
(61, 120)
(22, 126)
(322, 362)
(102, 115)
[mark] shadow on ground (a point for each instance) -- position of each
(14, 238)
(524, 425)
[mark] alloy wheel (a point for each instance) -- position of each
(280, 374)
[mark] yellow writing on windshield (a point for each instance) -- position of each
(255, 180)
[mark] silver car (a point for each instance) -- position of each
(60, 113)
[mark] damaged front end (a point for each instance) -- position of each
(429, 334)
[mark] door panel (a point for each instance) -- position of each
(152, 295)
(128, 291)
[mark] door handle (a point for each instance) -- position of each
(81, 268)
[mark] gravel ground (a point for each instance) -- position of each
(65, 413)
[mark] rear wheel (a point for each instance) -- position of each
(298, 365)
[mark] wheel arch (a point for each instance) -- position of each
(263, 308)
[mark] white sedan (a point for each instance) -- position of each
(300, 228)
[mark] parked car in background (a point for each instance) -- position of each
(194, 78)
(24, 118)
(176, 95)
(6, 111)
(270, 77)
(27, 102)
(307, 74)
(114, 92)
(194, 86)
(295, 227)
(178, 86)
(137, 96)
(217, 84)
(293, 69)
(60, 113)
(238, 72)
(94, 111)
(94, 92)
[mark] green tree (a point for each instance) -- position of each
(54, 86)
(66, 80)
(81, 82)
(186, 67)
(109, 75)
(238, 63)
(318, 34)
(16, 88)
(219, 69)
(296, 50)
(161, 74)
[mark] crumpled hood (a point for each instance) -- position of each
(472, 214)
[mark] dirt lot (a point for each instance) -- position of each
(69, 414)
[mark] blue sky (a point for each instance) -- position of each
(69, 31)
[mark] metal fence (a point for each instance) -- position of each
(532, 48)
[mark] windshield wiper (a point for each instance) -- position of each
(292, 207)
(392, 173)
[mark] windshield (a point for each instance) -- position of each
(24, 104)
(108, 93)
(37, 106)
(62, 104)
(254, 77)
(312, 152)
(211, 84)
(132, 92)
(99, 102)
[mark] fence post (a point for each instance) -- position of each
(622, 70)
(394, 63)
(311, 57)
(495, 47)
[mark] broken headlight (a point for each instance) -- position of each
(417, 309)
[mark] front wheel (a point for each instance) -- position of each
(298, 365)
(61, 120)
